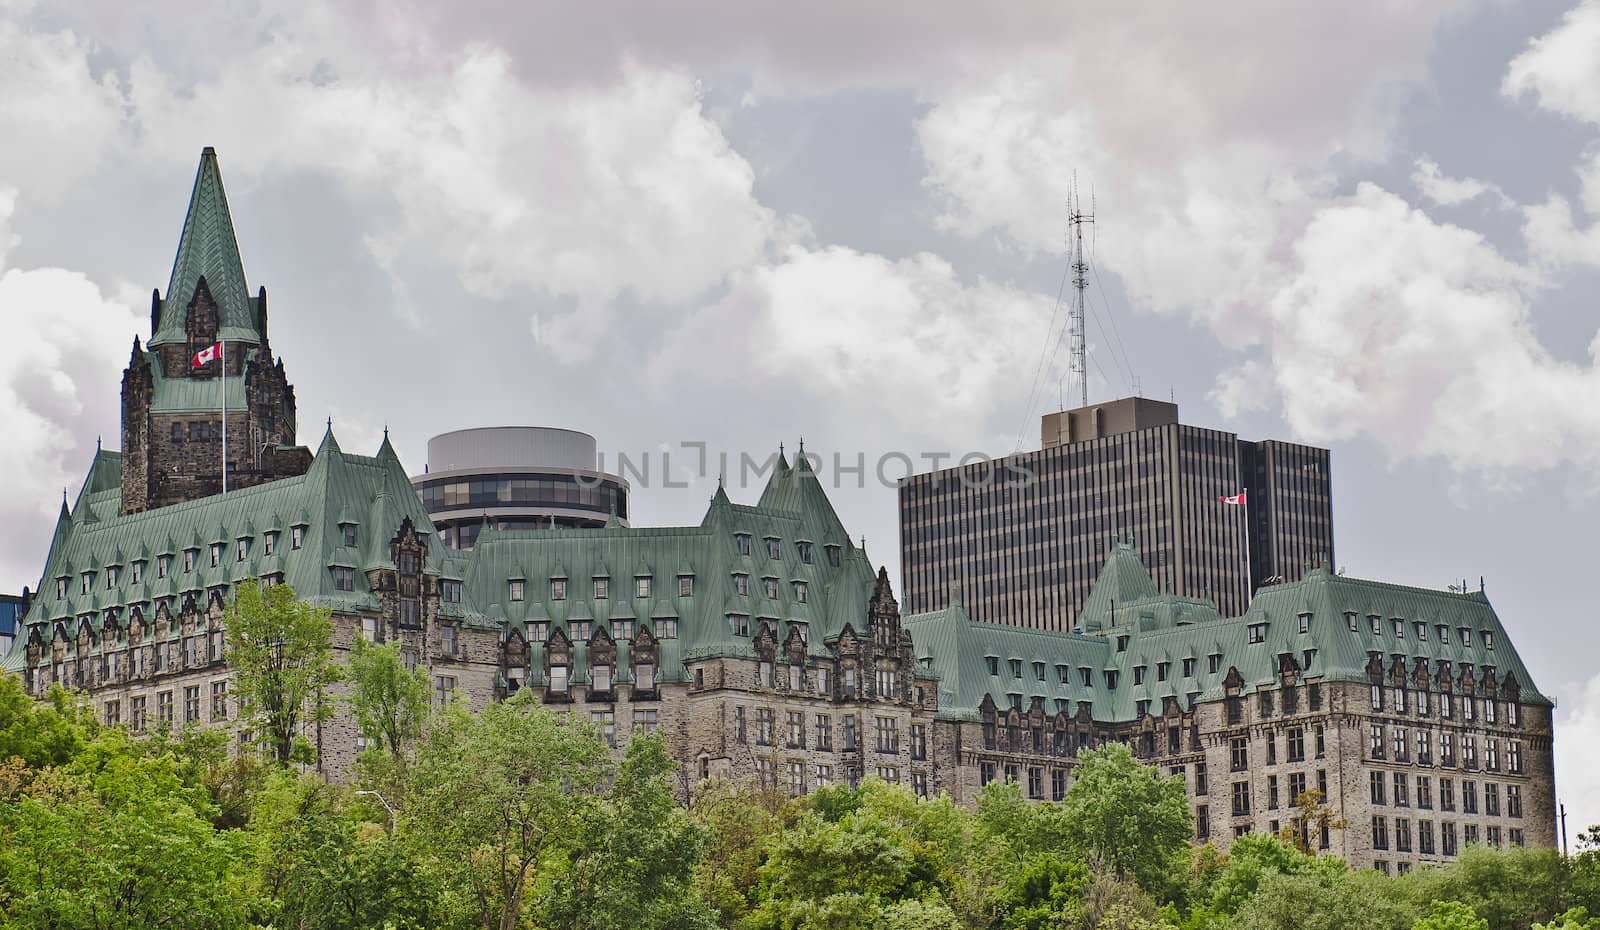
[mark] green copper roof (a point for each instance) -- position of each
(1149, 630)
(208, 249)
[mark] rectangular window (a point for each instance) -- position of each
(743, 542)
(344, 579)
(600, 678)
(1035, 783)
(602, 588)
(1514, 801)
(823, 728)
(1297, 786)
(191, 704)
(667, 628)
(164, 708)
(919, 742)
(622, 630)
(1447, 839)
(765, 723)
(888, 734)
(447, 640)
(1377, 784)
(1257, 633)
(794, 722)
(444, 686)
(646, 721)
(741, 585)
(1402, 835)
(1202, 821)
(1491, 799)
(1188, 667)
(1375, 746)
(136, 715)
(685, 585)
(849, 732)
(606, 722)
(1241, 799)
(1272, 792)
(773, 549)
(1402, 796)
(1424, 792)
(800, 592)
(795, 777)
(558, 679)
(1469, 797)
(1380, 832)
(643, 586)
(219, 700)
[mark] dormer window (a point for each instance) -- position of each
(1257, 633)
(269, 542)
(1350, 618)
(1214, 662)
(1138, 674)
(1016, 668)
(111, 576)
(1111, 679)
(805, 551)
(1377, 624)
(622, 630)
(87, 582)
(686, 586)
(1442, 632)
(558, 589)
(602, 588)
(1063, 674)
(742, 540)
(1399, 627)
(61, 588)
(138, 572)
(771, 585)
(773, 548)
(833, 556)
(349, 531)
(407, 564)
(1488, 640)
(739, 624)
(243, 550)
(344, 579)
(666, 628)
(1305, 623)
(1466, 636)
(1086, 677)
(297, 535)
(643, 586)
(515, 589)
(216, 554)
(800, 592)
(1421, 631)
(1122, 643)
(450, 592)
(539, 631)
(994, 664)
(163, 565)
(741, 584)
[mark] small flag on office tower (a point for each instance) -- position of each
(209, 354)
(1237, 500)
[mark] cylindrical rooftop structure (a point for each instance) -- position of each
(516, 477)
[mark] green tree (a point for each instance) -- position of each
(1325, 899)
(1510, 888)
(737, 818)
(1310, 818)
(1575, 919)
(498, 796)
(115, 839)
(41, 733)
(1250, 859)
(281, 654)
(1121, 814)
(389, 702)
(634, 863)
(1450, 915)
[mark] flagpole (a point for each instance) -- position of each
(224, 382)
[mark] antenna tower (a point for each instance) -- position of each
(1077, 218)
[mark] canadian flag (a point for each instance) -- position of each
(1237, 500)
(206, 355)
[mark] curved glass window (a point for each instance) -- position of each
(564, 491)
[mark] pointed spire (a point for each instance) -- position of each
(386, 450)
(208, 249)
(329, 443)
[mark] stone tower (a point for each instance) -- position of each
(171, 410)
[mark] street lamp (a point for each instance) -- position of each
(393, 822)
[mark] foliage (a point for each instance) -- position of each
(281, 653)
(40, 733)
(1576, 919)
(1510, 889)
(498, 796)
(1310, 818)
(1325, 900)
(1121, 814)
(389, 703)
(1451, 915)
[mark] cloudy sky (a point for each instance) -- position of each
(1368, 225)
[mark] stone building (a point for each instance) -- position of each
(1409, 709)
(766, 646)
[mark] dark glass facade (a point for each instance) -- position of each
(1023, 538)
(459, 504)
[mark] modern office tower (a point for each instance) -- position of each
(1021, 538)
(516, 477)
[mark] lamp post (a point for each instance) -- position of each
(393, 817)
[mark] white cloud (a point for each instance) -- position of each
(1447, 191)
(1419, 334)
(59, 122)
(1561, 69)
(1577, 754)
(59, 373)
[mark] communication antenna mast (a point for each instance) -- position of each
(1077, 218)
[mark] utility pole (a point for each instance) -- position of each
(1080, 281)
(1563, 831)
